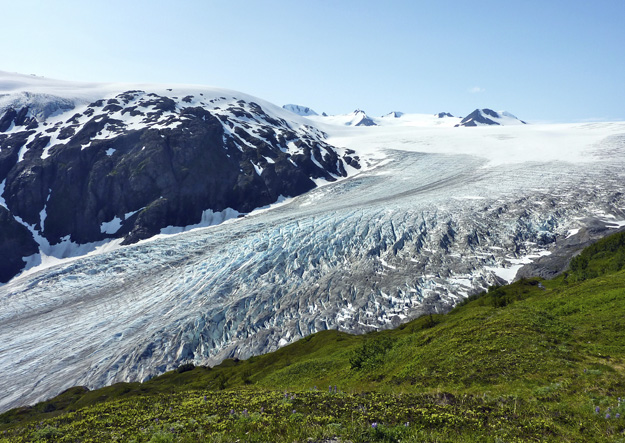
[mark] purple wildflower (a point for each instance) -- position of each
(374, 425)
(293, 411)
(597, 410)
(204, 398)
(618, 415)
(607, 416)
(231, 411)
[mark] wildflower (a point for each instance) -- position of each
(293, 412)
(231, 411)
(407, 424)
(374, 425)
(262, 409)
(607, 416)
(245, 413)
(204, 398)
(585, 370)
(597, 410)
(156, 420)
(617, 415)
(335, 389)
(171, 409)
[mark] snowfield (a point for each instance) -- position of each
(436, 214)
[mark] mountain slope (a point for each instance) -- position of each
(528, 361)
(128, 166)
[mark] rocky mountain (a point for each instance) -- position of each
(489, 117)
(300, 110)
(130, 164)
(443, 114)
(360, 118)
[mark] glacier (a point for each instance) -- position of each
(436, 214)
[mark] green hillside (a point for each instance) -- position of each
(532, 361)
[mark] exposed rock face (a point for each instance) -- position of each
(16, 242)
(128, 166)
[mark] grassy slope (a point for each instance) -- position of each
(527, 361)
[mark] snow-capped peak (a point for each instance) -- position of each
(487, 116)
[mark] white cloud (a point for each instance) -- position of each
(476, 90)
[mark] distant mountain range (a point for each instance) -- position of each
(478, 117)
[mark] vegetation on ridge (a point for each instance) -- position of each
(532, 361)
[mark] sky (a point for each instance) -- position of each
(544, 61)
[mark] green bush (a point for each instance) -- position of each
(371, 353)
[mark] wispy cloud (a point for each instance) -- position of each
(476, 90)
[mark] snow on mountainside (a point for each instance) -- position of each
(138, 159)
(300, 110)
(489, 117)
(356, 118)
(439, 213)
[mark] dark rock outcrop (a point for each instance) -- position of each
(177, 161)
(16, 242)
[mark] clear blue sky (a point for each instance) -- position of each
(549, 60)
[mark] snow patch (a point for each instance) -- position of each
(572, 232)
(2, 201)
(111, 227)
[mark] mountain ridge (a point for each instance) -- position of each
(145, 161)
